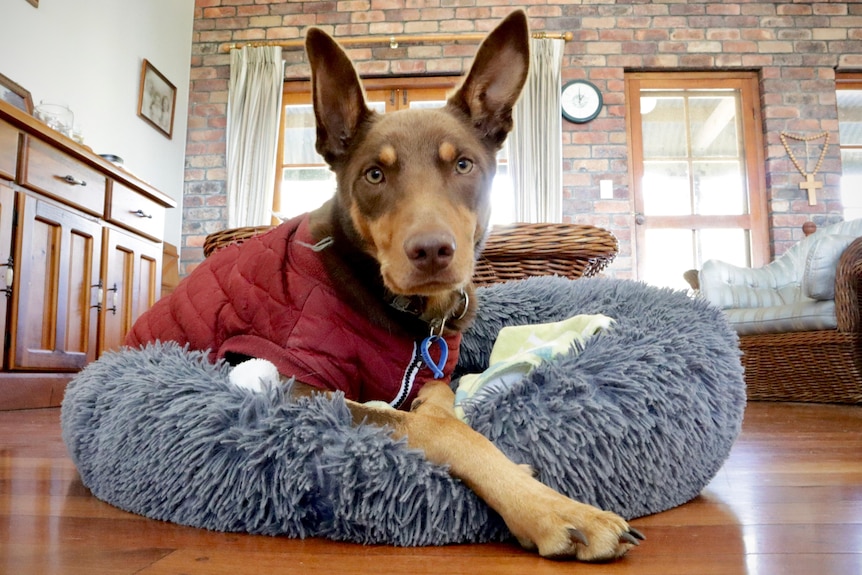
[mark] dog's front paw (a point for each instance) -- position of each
(598, 536)
(566, 529)
(255, 375)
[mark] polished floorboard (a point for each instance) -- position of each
(787, 502)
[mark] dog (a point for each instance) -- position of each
(396, 248)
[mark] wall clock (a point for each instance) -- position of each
(581, 101)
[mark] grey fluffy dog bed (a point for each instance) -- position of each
(637, 421)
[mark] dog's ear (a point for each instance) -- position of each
(496, 78)
(339, 103)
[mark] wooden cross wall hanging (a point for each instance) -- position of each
(810, 185)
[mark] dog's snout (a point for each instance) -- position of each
(430, 252)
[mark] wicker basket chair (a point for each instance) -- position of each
(813, 366)
(512, 252)
(522, 250)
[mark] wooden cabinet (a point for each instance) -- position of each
(84, 241)
(54, 295)
(132, 279)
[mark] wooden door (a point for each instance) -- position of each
(54, 298)
(697, 172)
(131, 281)
(7, 207)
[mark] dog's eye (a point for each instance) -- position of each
(374, 175)
(464, 166)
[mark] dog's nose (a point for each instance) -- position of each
(430, 252)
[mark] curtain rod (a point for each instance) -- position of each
(395, 41)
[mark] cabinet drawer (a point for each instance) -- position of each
(136, 212)
(63, 177)
(8, 150)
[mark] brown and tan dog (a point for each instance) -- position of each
(345, 298)
(413, 194)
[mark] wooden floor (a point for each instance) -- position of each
(788, 501)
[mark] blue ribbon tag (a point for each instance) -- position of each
(435, 367)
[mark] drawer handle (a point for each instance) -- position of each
(72, 180)
(141, 214)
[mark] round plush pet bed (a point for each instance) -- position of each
(637, 420)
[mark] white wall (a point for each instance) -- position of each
(87, 54)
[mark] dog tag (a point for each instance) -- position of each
(435, 367)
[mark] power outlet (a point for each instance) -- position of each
(606, 189)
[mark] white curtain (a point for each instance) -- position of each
(535, 145)
(253, 110)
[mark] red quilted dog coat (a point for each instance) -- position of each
(271, 298)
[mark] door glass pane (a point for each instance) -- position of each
(670, 254)
(719, 189)
(713, 127)
(666, 189)
(663, 126)
(727, 245)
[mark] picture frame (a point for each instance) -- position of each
(157, 99)
(15, 94)
(34, 2)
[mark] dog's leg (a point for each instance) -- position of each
(538, 516)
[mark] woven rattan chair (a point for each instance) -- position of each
(813, 366)
(513, 252)
(798, 357)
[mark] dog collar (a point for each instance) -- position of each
(415, 305)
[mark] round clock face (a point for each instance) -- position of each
(581, 101)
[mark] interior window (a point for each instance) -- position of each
(849, 96)
(306, 181)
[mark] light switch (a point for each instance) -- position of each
(606, 189)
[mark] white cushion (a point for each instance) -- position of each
(795, 292)
(818, 281)
(803, 316)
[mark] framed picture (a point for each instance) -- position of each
(14, 94)
(157, 99)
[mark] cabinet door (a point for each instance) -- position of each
(54, 311)
(7, 206)
(132, 281)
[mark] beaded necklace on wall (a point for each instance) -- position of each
(810, 184)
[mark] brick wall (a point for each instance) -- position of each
(795, 46)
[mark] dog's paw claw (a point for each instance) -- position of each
(637, 534)
(577, 535)
(629, 537)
